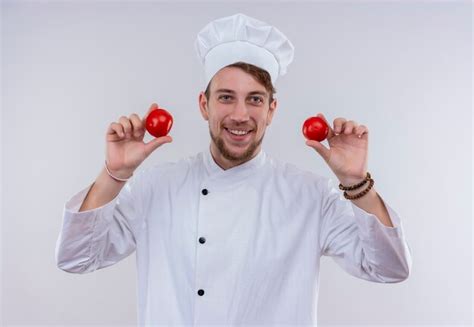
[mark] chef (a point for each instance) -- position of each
(231, 236)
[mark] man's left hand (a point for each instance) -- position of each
(348, 150)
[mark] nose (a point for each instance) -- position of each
(240, 112)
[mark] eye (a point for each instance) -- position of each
(256, 99)
(225, 97)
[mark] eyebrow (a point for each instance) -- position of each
(233, 92)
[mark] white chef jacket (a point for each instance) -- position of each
(230, 247)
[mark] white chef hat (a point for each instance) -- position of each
(227, 40)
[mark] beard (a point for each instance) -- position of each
(229, 155)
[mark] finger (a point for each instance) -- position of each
(360, 130)
(115, 129)
(320, 148)
(331, 131)
(137, 126)
(338, 124)
(349, 127)
(127, 126)
(152, 107)
(156, 143)
(365, 136)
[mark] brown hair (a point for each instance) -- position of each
(261, 75)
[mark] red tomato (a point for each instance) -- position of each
(315, 128)
(159, 122)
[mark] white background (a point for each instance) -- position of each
(401, 68)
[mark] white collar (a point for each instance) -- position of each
(240, 171)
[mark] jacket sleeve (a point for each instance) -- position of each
(100, 237)
(359, 242)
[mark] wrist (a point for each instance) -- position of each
(120, 175)
(351, 186)
(352, 180)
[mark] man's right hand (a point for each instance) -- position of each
(125, 149)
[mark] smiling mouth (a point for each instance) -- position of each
(238, 132)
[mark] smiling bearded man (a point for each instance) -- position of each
(231, 236)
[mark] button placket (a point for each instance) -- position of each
(202, 240)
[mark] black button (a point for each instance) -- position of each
(201, 292)
(204, 191)
(202, 240)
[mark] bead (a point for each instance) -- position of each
(361, 194)
(353, 187)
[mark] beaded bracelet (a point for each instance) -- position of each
(116, 178)
(353, 187)
(361, 194)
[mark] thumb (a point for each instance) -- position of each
(156, 143)
(321, 149)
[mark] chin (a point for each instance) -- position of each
(237, 156)
(241, 155)
(235, 153)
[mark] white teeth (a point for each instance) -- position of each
(237, 132)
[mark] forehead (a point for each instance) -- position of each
(233, 78)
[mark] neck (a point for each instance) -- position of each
(225, 163)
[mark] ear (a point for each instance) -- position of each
(271, 111)
(203, 106)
